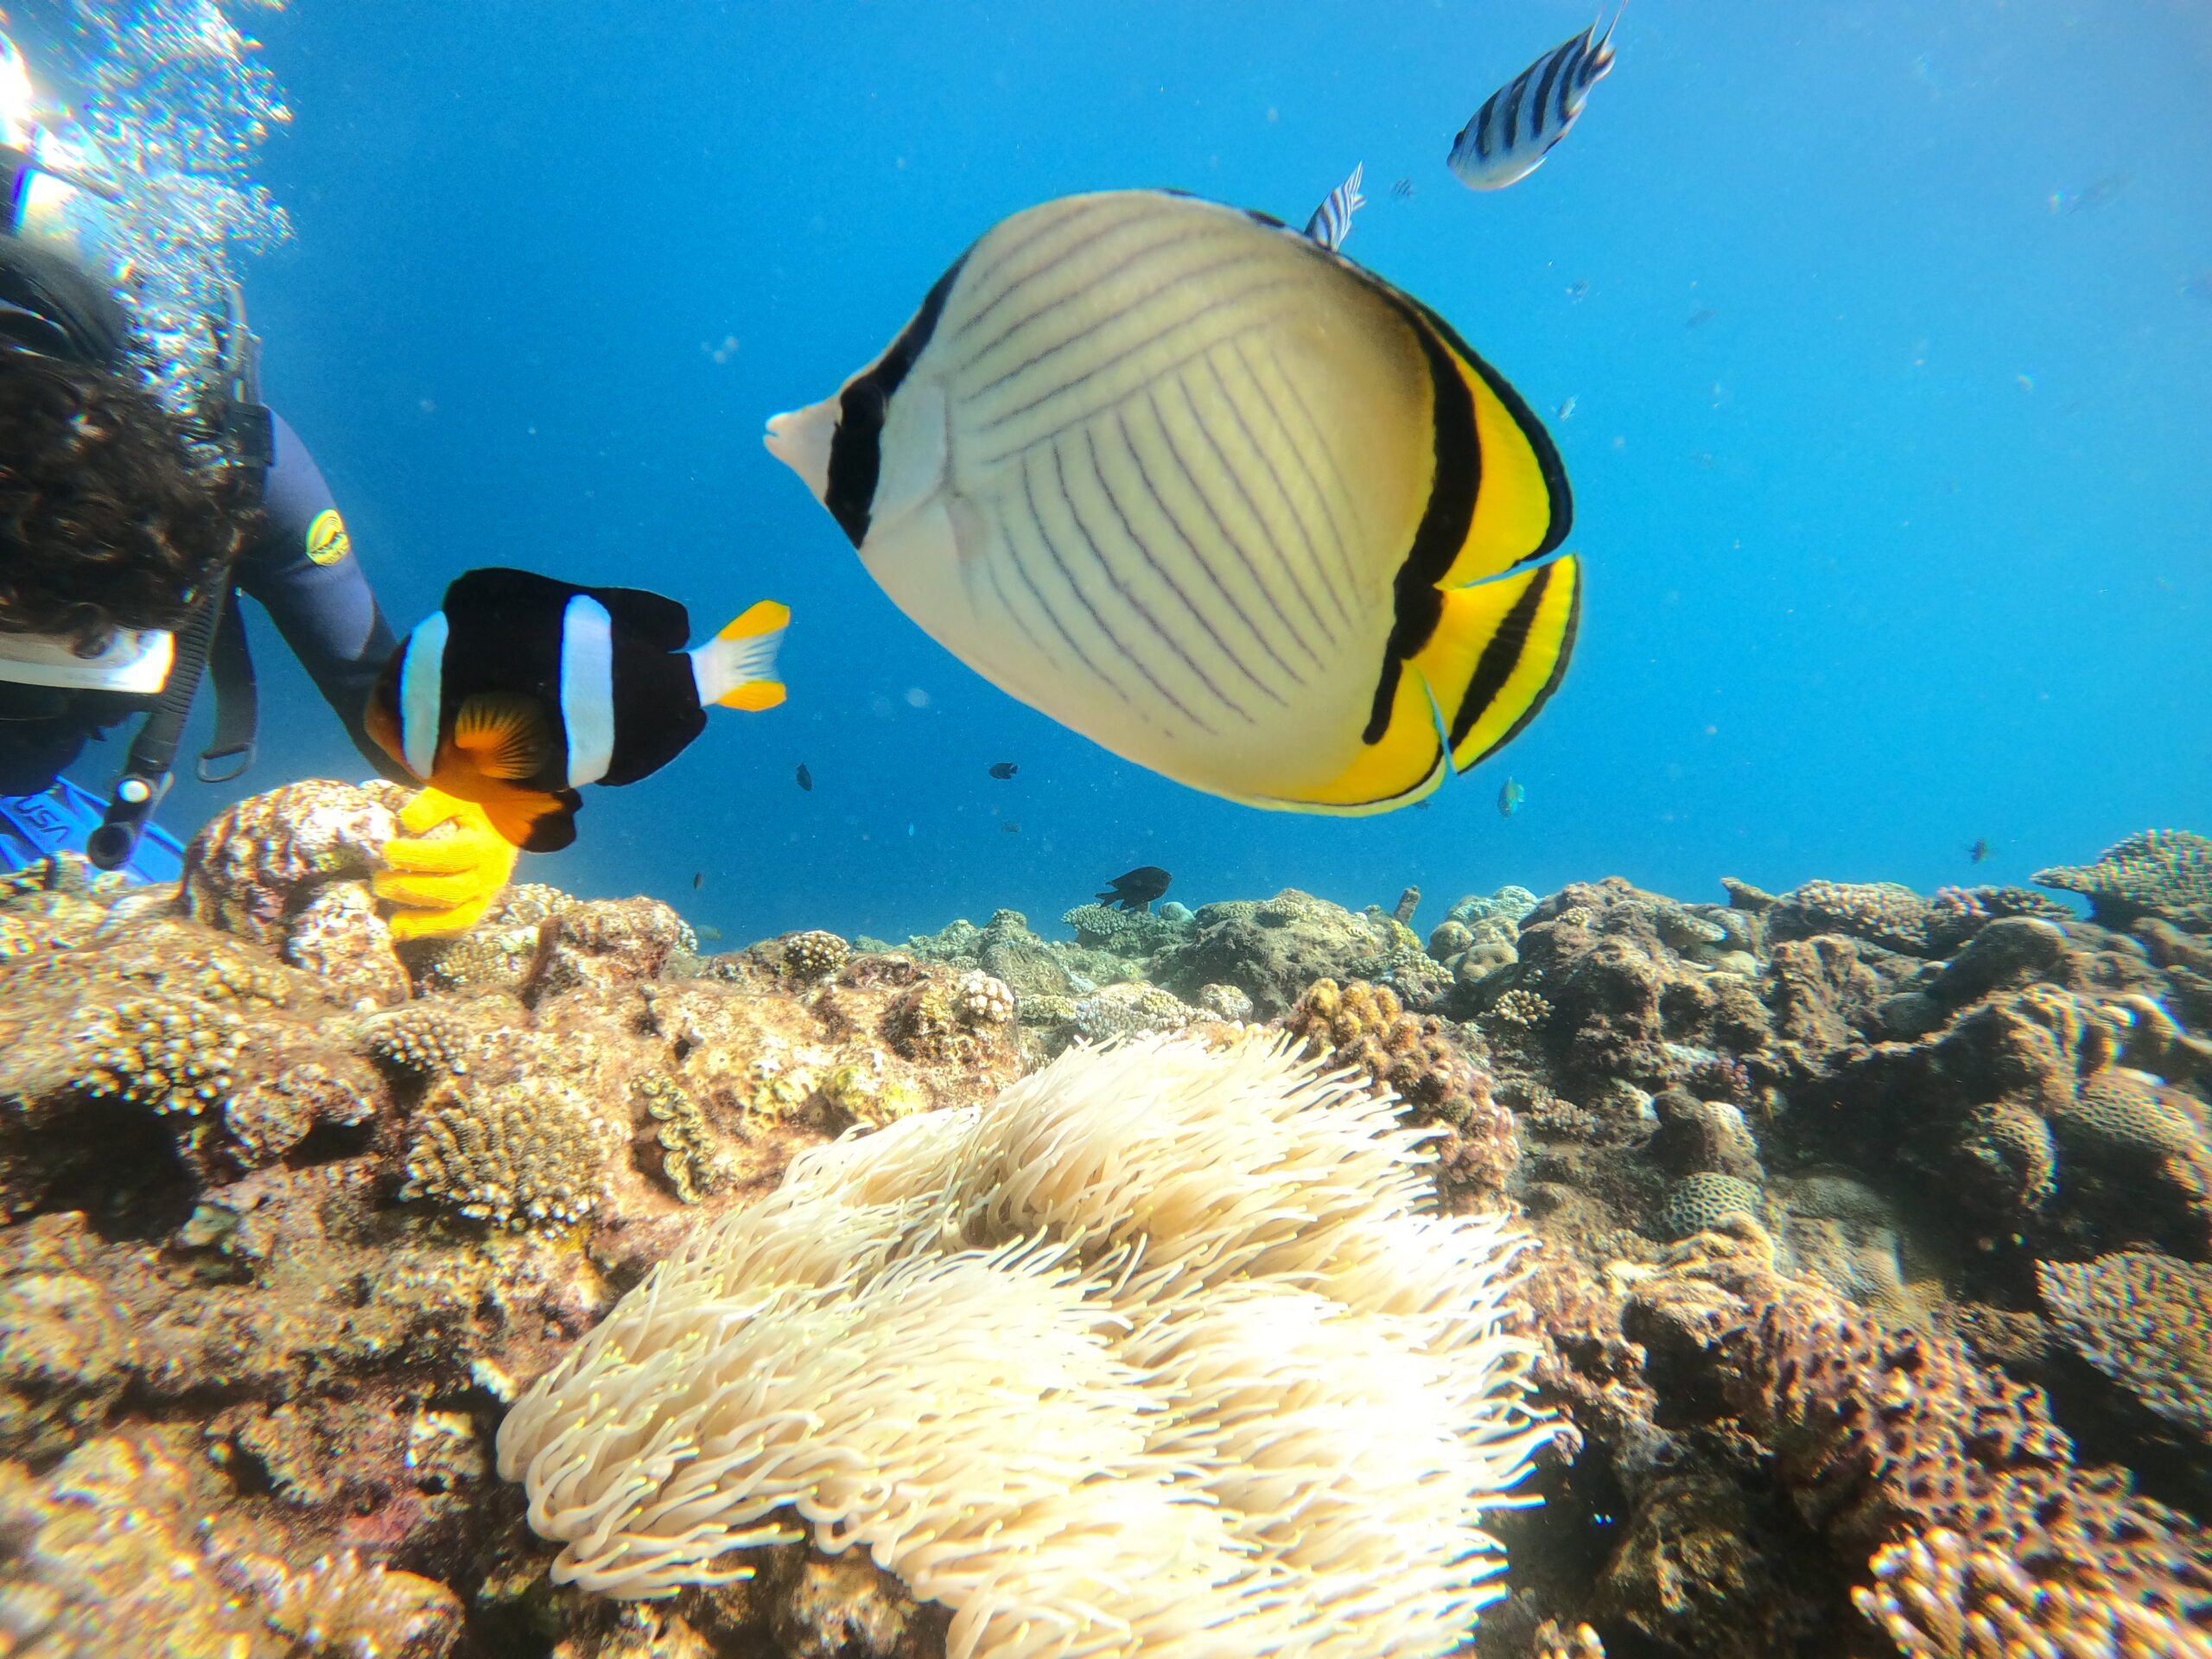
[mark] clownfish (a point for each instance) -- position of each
(521, 690)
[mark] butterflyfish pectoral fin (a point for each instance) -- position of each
(736, 668)
(503, 734)
(1498, 651)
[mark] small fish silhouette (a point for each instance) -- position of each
(805, 778)
(1402, 190)
(1004, 769)
(1011, 829)
(714, 933)
(1578, 291)
(1979, 850)
(1699, 317)
(1565, 410)
(1137, 888)
(698, 879)
(1510, 797)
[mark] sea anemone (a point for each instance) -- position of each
(1160, 1351)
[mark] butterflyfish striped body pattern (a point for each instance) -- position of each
(1213, 495)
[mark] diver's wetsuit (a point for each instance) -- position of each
(301, 568)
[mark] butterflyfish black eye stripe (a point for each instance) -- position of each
(1209, 493)
(856, 451)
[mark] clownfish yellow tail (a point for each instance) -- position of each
(736, 668)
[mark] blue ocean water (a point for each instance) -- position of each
(1887, 328)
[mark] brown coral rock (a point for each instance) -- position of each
(256, 866)
(2145, 1321)
(115, 1554)
(1364, 1028)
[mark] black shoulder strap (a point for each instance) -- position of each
(238, 700)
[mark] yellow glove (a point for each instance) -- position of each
(446, 867)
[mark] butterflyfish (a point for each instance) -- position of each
(1213, 495)
(520, 689)
(1520, 122)
(1331, 220)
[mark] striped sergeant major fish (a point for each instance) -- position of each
(521, 690)
(1331, 220)
(1229, 506)
(1520, 122)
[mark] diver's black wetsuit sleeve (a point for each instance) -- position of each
(302, 571)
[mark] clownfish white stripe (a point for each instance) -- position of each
(588, 689)
(422, 685)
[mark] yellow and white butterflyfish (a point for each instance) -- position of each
(1213, 495)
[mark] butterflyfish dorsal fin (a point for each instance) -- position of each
(503, 734)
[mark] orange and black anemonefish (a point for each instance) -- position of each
(521, 689)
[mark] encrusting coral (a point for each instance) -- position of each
(2145, 1321)
(1158, 1351)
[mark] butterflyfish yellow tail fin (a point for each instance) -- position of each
(503, 734)
(1499, 650)
(736, 668)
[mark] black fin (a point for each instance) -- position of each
(554, 831)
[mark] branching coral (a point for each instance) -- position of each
(528, 1152)
(2145, 1320)
(1157, 1351)
(1936, 1596)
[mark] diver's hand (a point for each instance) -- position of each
(445, 867)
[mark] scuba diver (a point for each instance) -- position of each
(127, 534)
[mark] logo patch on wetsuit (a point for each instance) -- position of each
(327, 541)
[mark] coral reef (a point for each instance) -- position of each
(528, 1152)
(1868, 1270)
(1362, 1026)
(2145, 1320)
(1131, 1258)
(2166, 874)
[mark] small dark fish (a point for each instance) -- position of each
(805, 778)
(1699, 317)
(1402, 190)
(698, 879)
(1510, 797)
(1004, 769)
(1011, 829)
(1579, 290)
(1979, 850)
(1331, 220)
(1513, 132)
(1137, 889)
(714, 933)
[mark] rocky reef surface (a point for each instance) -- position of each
(1871, 1290)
